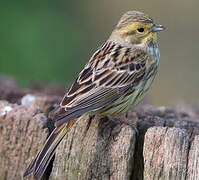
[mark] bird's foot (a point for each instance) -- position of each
(121, 118)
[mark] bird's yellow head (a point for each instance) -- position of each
(136, 28)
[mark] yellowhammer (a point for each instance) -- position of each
(114, 80)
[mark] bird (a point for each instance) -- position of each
(115, 79)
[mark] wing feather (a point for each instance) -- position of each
(103, 80)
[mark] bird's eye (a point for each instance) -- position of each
(140, 30)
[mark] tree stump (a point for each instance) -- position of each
(167, 146)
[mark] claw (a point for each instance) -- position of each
(122, 119)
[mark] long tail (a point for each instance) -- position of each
(41, 161)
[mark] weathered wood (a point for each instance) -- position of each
(165, 153)
(193, 160)
(183, 118)
(101, 149)
(21, 136)
(94, 150)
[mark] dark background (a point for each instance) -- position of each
(50, 41)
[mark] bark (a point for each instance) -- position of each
(166, 146)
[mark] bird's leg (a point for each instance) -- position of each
(125, 121)
(132, 123)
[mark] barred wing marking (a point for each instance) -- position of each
(102, 81)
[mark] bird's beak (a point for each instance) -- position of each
(157, 27)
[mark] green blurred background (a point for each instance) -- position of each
(50, 41)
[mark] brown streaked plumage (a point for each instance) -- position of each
(114, 80)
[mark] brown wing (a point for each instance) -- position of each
(111, 71)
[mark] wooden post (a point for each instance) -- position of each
(167, 146)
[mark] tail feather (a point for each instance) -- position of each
(40, 163)
(30, 168)
(48, 151)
